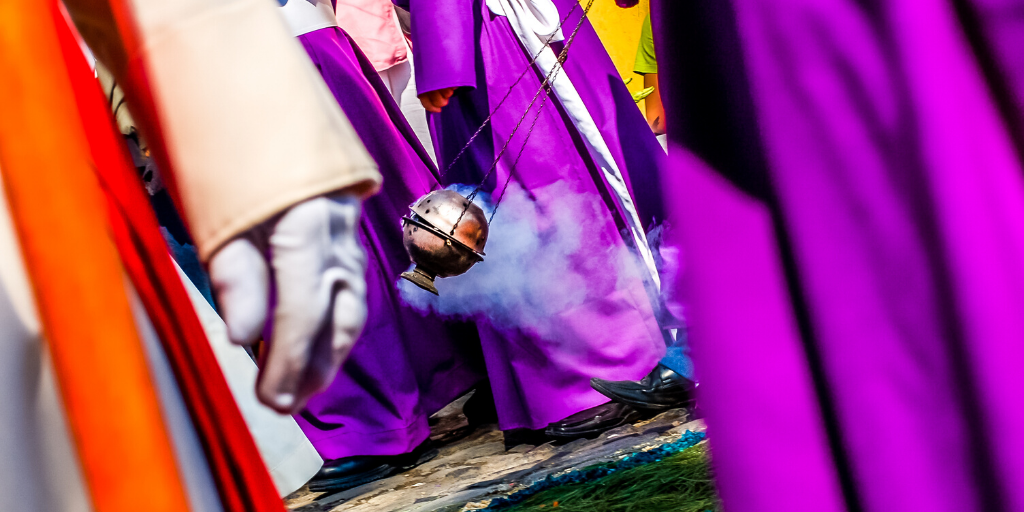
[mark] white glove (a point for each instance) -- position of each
(318, 270)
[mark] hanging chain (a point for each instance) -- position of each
(490, 114)
(522, 149)
(545, 85)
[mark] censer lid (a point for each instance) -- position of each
(444, 210)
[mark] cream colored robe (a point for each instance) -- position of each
(249, 124)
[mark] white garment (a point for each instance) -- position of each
(192, 466)
(38, 464)
(38, 472)
(400, 80)
(535, 23)
(288, 454)
(305, 16)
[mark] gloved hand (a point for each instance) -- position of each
(317, 267)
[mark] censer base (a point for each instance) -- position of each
(421, 278)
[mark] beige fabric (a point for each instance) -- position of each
(250, 126)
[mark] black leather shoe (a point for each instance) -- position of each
(422, 453)
(519, 436)
(480, 409)
(347, 472)
(660, 390)
(592, 422)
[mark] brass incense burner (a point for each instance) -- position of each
(444, 235)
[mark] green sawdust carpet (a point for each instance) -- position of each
(673, 477)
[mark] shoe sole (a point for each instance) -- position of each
(592, 434)
(346, 483)
(422, 458)
(383, 471)
(646, 406)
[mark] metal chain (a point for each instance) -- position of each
(512, 170)
(549, 77)
(490, 114)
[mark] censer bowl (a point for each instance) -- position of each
(434, 246)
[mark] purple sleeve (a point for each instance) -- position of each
(443, 43)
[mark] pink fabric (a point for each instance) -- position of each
(374, 26)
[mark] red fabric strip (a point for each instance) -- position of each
(122, 444)
(239, 471)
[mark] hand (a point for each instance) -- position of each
(433, 100)
(652, 104)
(317, 266)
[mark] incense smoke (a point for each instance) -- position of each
(541, 261)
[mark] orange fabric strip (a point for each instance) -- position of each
(235, 464)
(61, 218)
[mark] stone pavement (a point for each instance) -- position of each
(474, 467)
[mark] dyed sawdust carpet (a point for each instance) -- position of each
(475, 471)
(674, 477)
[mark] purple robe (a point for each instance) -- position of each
(459, 43)
(405, 366)
(851, 206)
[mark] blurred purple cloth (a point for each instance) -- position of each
(850, 201)
(405, 366)
(460, 43)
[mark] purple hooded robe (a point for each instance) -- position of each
(460, 43)
(847, 181)
(405, 366)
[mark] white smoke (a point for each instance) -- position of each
(540, 261)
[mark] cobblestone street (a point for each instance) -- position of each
(472, 469)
